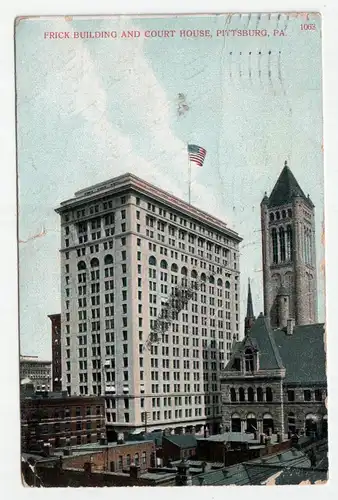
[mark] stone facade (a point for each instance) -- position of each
(267, 387)
(261, 409)
(288, 254)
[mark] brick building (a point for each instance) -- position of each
(275, 380)
(38, 371)
(113, 457)
(56, 352)
(177, 447)
(56, 420)
(289, 253)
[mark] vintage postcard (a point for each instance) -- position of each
(171, 250)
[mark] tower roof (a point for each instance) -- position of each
(249, 310)
(286, 188)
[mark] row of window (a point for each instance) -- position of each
(251, 394)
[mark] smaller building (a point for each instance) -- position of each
(36, 370)
(275, 381)
(178, 447)
(56, 352)
(113, 457)
(54, 420)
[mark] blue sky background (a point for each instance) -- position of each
(89, 110)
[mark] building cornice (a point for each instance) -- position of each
(127, 182)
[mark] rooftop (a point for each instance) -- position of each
(34, 359)
(286, 189)
(287, 468)
(130, 181)
(293, 353)
(183, 441)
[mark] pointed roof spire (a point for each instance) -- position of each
(249, 310)
(286, 188)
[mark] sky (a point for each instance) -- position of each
(91, 109)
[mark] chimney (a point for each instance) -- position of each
(120, 438)
(135, 471)
(103, 440)
(183, 477)
(290, 326)
(87, 467)
(204, 466)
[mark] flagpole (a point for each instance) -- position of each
(189, 175)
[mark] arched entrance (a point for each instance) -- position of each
(311, 425)
(267, 423)
(251, 423)
(235, 423)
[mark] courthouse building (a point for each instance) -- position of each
(276, 377)
(125, 248)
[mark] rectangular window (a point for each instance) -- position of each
(291, 395)
(307, 395)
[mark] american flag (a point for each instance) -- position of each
(196, 154)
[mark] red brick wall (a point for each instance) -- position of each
(46, 420)
(100, 460)
(54, 477)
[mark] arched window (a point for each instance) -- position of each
(259, 394)
(282, 243)
(241, 394)
(272, 216)
(136, 459)
(311, 421)
(203, 277)
(251, 422)
(128, 462)
(219, 282)
(289, 243)
(194, 274)
(269, 396)
(277, 215)
(109, 268)
(250, 394)
(174, 268)
(144, 457)
(211, 279)
(108, 259)
(289, 213)
(233, 397)
(152, 261)
(283, 214)
(274, 245)
(268, 423)
(163, 264)
(227, 284)
(184, 271)
(81, 265)
(94, 262)
(249, 360)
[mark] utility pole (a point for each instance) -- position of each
(145, 414)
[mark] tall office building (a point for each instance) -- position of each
(125, 248)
